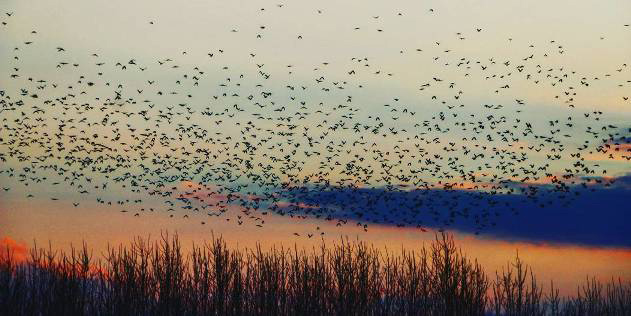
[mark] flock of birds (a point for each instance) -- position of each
(271, 144)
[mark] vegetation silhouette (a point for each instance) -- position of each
(348, 278)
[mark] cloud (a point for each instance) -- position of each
(595, 215)
(9, 247)
(288, 205)
(616, 150)
(623, 182)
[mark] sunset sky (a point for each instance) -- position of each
(507, 123)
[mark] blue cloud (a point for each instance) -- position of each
(593, 215)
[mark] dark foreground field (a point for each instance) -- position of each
(350, 278)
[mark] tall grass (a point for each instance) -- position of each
(348, 278)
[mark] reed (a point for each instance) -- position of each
(347, 278)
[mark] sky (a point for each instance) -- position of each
(505, 122)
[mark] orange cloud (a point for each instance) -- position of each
(18, 252)
(9, 247)
(608, 152)
(284, 204)
(210, 194)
